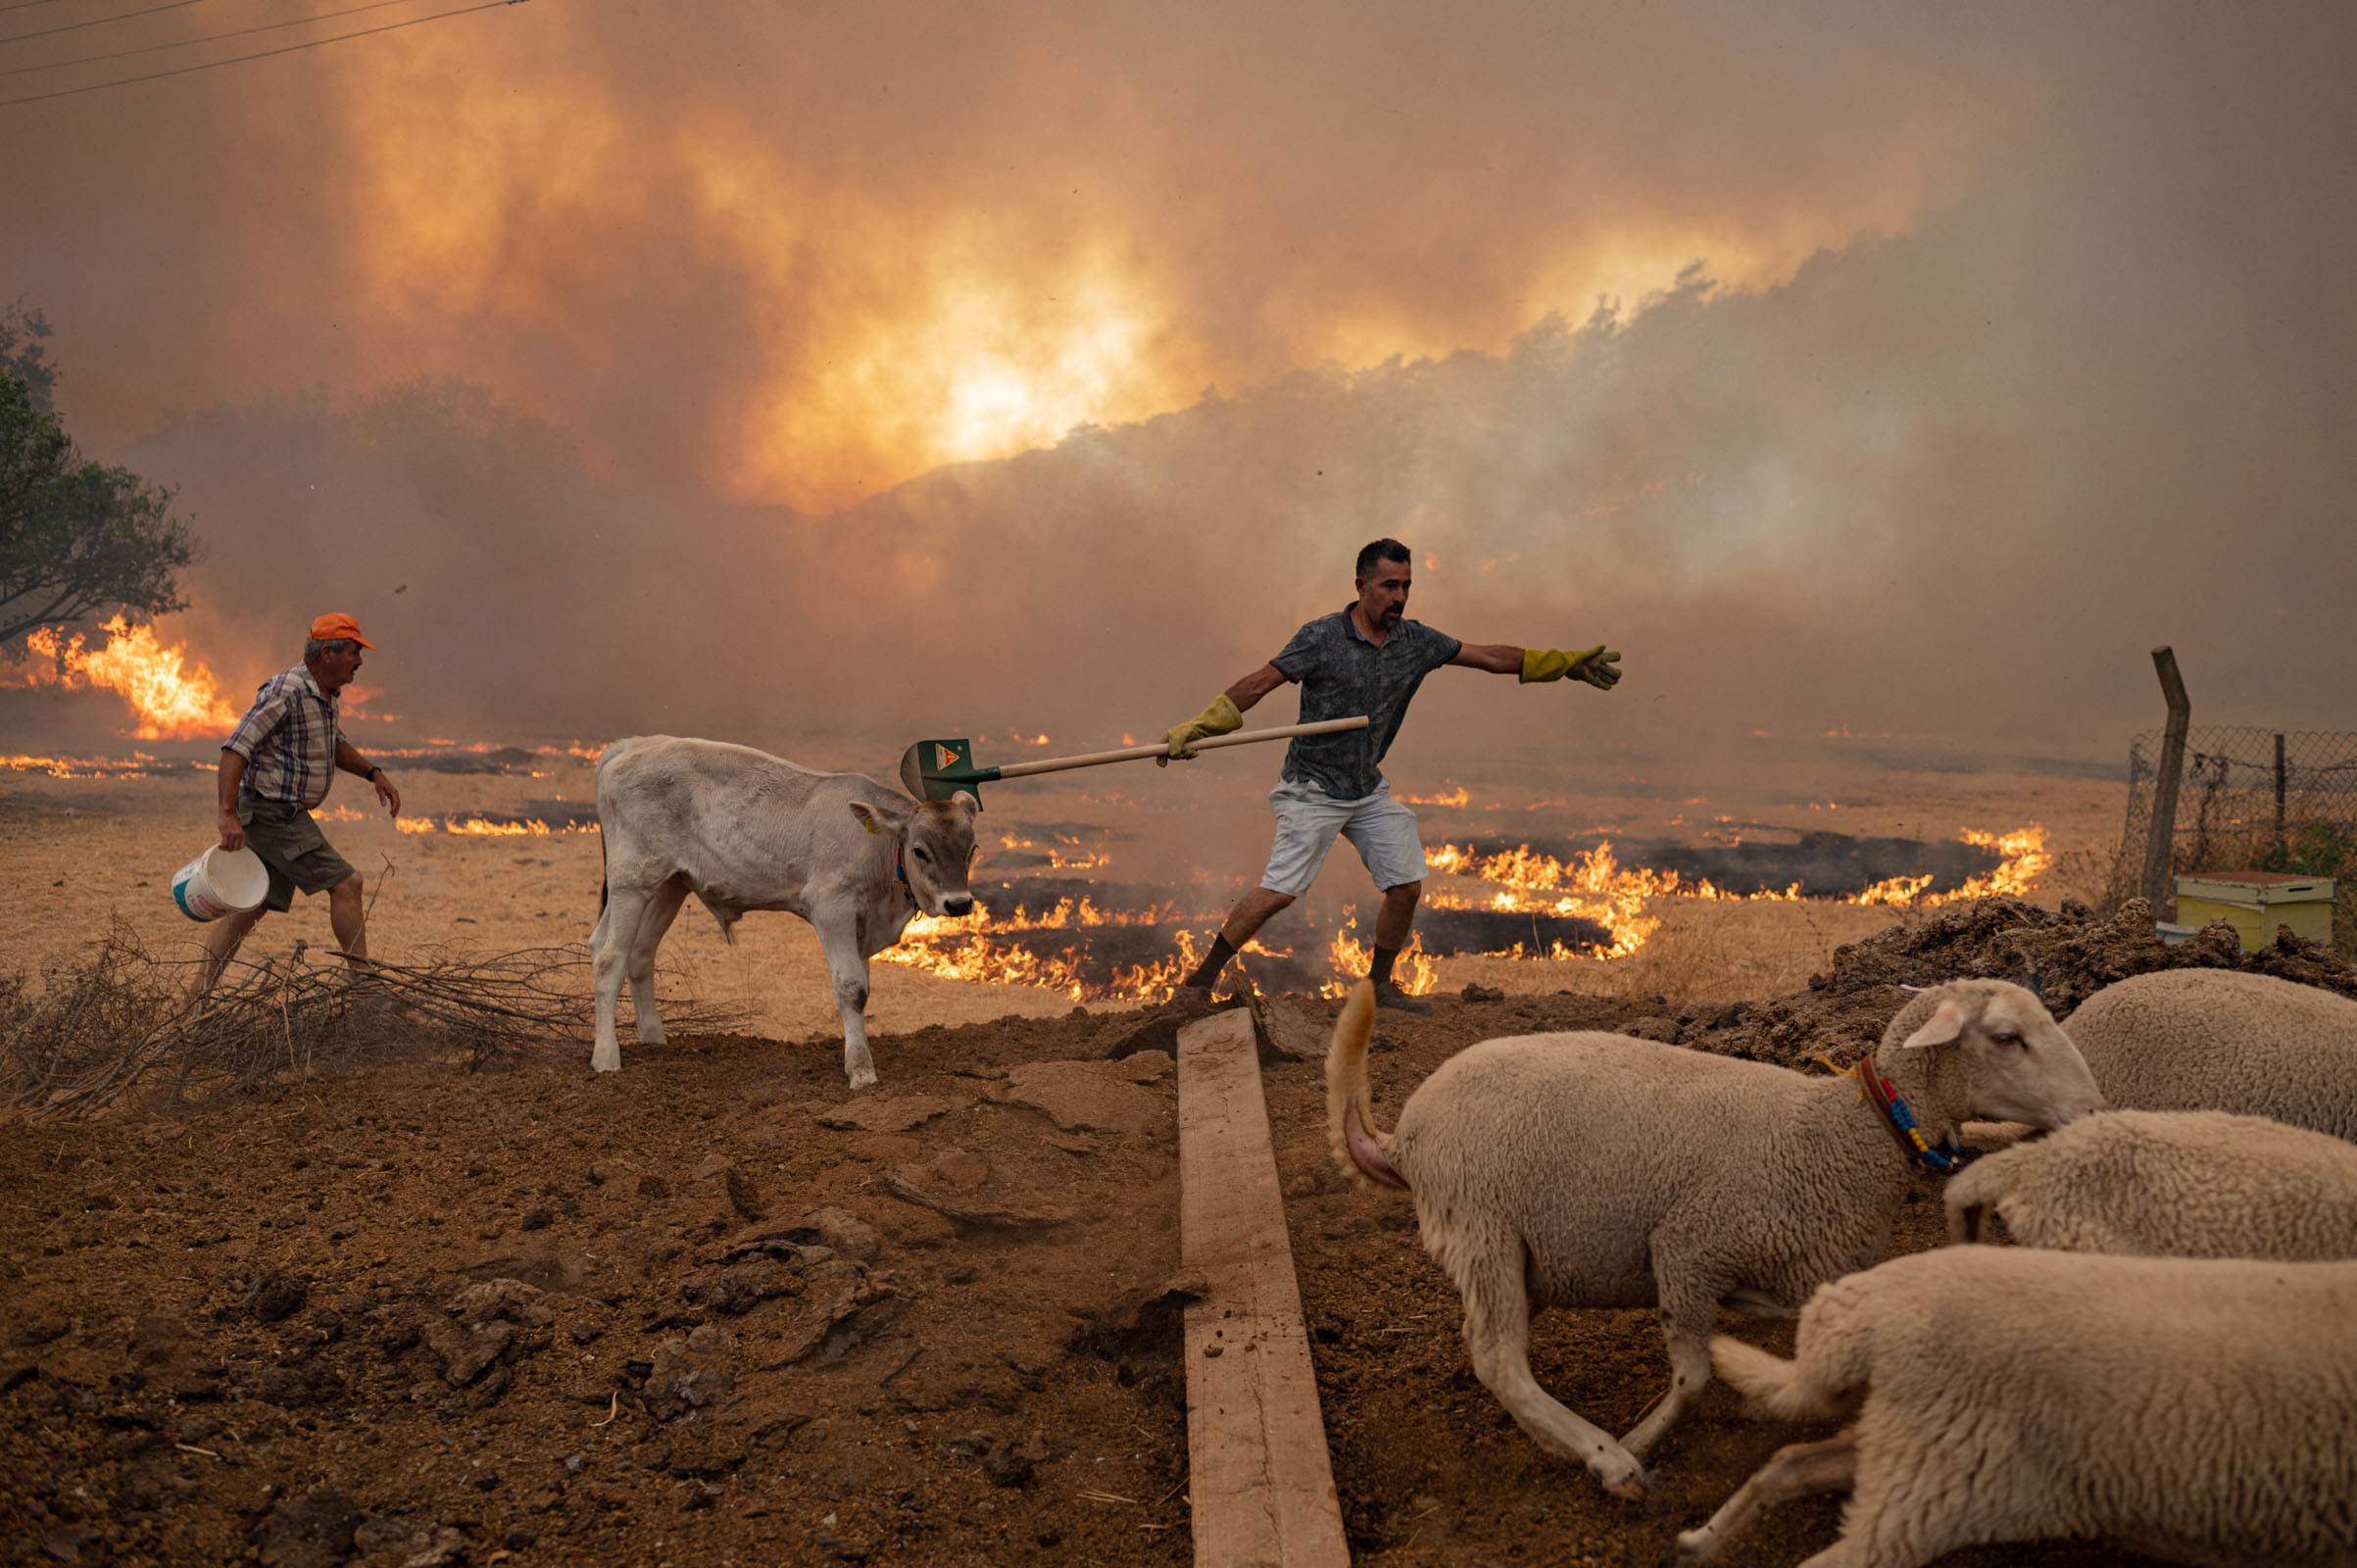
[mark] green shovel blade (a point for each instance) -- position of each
(941, 770)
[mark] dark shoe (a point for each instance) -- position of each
(1190, 1001)
(1391, 998)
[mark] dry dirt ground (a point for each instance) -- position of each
(709, 1310)
(421, 1314)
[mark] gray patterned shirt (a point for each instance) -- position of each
(1343, 674)
(288, 740)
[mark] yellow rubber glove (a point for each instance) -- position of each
(1221, 716)
(1599, 666)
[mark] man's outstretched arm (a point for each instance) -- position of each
(1498, 659)
(1599, 666)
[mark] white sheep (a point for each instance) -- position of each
(2167, 1183)
(1600, 1170)
(2196, 1409)
(2220, 1040)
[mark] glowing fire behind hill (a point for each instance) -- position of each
(172, 697)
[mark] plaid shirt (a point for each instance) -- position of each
(288, 739)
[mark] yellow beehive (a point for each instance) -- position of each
(2255, 903)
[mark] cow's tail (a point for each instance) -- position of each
(601, 891)
(1360, 1147)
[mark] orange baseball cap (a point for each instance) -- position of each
(329, 628)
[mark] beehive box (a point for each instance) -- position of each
(2255, 903)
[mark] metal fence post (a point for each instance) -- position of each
(2280, 840)
(2173, 763)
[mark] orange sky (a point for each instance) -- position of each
(806, 253)
(2021, 341)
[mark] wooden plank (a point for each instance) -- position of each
(1257, 1473)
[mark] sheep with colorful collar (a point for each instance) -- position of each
(1604, 1171)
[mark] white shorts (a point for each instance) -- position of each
(1380, 828)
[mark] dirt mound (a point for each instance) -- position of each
(2065, 955)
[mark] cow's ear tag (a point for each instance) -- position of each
(869, 823)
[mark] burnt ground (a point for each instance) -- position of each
(424, 1315)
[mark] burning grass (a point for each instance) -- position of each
(491, 827)
(137, 765)
(1520, 904)
(114, 1021)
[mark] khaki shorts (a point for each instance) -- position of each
(1379, 827)
(292, 848)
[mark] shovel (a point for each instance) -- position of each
(941, 770)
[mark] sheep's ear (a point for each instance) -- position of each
(1944, 1028)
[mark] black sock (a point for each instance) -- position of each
(1380, 972)
(1206, 973)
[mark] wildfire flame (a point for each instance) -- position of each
(175, 698)
(1412, 971)
(963, 950)
(1593, 886)
(133, 766)
(1460, 795)
(485, 827)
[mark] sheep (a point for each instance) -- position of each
(2167, 1183)
(2220, 1040)
(2194, 1409)
(1600, 1170)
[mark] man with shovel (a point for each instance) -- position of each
(1366, 659)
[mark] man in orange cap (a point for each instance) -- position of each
(276, 768)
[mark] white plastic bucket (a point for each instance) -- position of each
(221, 882)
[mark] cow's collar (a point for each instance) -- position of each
(899, 874)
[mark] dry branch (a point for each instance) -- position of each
(115, 1018)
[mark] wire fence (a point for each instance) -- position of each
(2251, 800)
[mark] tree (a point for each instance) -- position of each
(22, 352)
(78, 537)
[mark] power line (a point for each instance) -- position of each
(99, 21)
(25, 5)
(205, 37)
(264, 54)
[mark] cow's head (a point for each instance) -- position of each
(935, 851)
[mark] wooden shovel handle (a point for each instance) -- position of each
(1132, 754)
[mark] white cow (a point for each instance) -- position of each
(744, 830)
